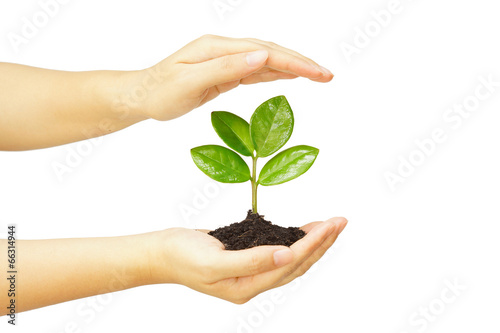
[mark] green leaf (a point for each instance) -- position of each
(288, 165)
(221, 164)
(234, 131)
(271, 125)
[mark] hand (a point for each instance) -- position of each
(199, 261)
(209, 66)
(66, 107)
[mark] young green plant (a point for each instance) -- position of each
(270, 127)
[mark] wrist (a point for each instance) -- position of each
(135, 251)
(107, 105)
(139, 93)
(155, 265)
(127, 96)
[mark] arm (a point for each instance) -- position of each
(59, 270)
(41, 108)
(74, 268)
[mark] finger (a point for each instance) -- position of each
(292, 52)
(203, 230)
(301, 250)
(267, 77)
(287, 63)
(209, 47)
(210, 94)
(315, 256)
(263, 76)
(282, 48)
(308, 227)
(215, 91)
(212, 47)
(222, 88)
(257, 77)
(252, 261)
(228, 68)
(326, 74)
(276, 50)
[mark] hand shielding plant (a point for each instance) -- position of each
(270, 127)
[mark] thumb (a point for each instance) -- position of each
(230, 68)
(252, 261)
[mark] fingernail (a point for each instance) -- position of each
(282, 257)
(256, 58)
(324, 70)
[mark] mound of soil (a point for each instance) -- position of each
(255, 231)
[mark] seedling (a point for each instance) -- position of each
(270, 127)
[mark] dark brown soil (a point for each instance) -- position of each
(255, 231)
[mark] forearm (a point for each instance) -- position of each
(41, 108)
(59, 270)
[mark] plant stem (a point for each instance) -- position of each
(254, 184)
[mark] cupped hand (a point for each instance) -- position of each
(209, 66)
(199, 261)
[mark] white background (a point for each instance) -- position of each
(399, 248)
